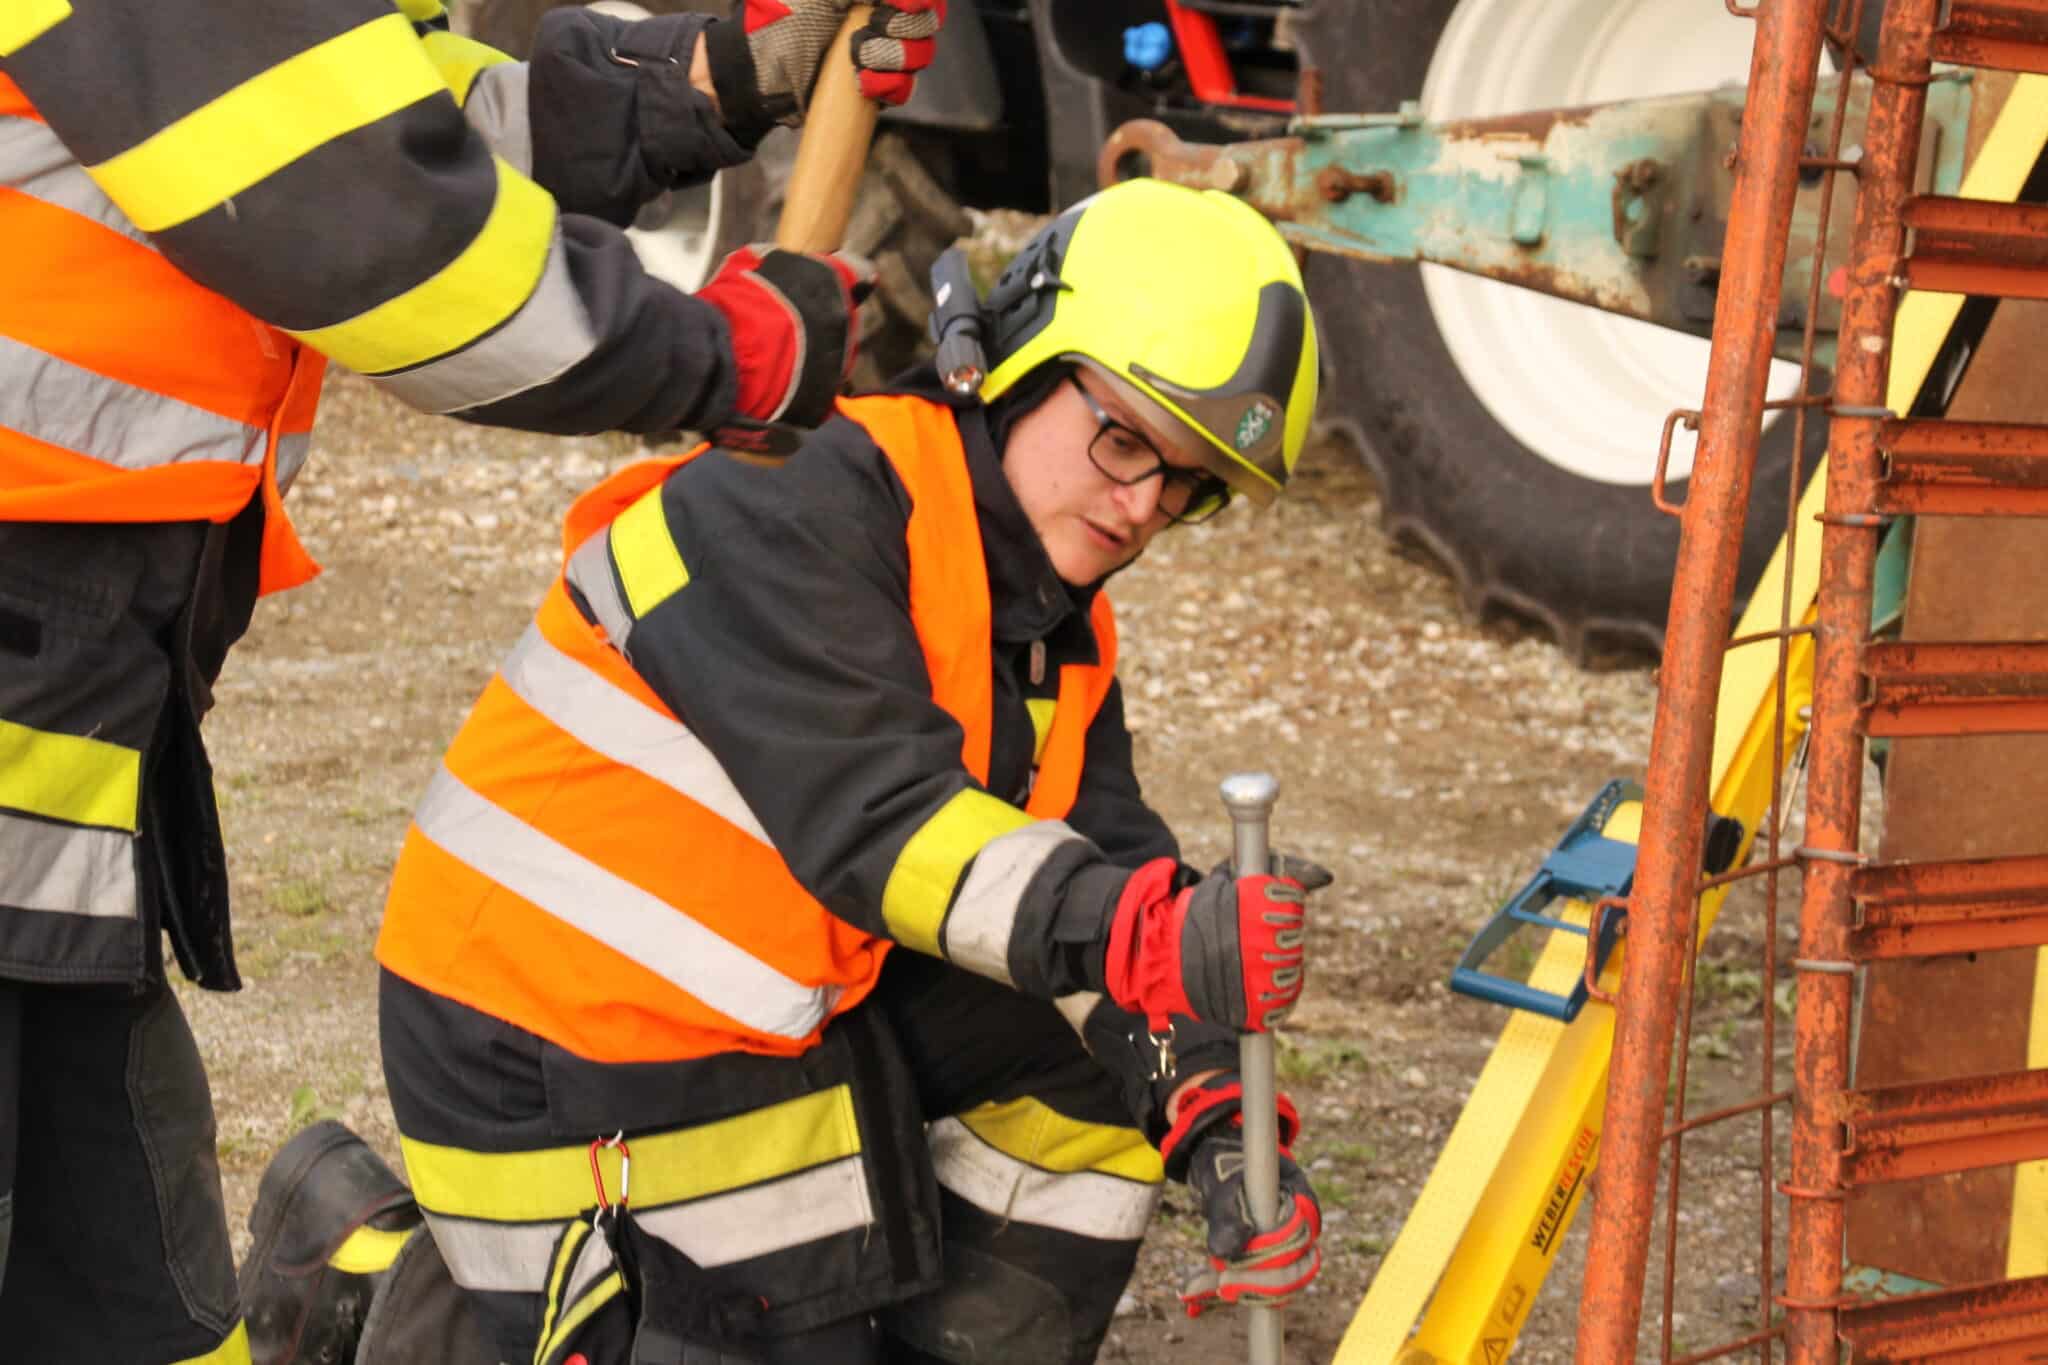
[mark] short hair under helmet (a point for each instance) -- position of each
(1189, 295)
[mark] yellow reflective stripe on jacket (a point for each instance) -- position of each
(1041, 709)
(688, 1163)
(650, 565)
(267, 122)
(921, 885)
(459, 59)
(369, 1250)
(69, 777)
(23, 21)
(488, 282)
(233, 1351)
(1033, 1131)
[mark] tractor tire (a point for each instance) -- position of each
(1522, 532)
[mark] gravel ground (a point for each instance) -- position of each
(1429, 760)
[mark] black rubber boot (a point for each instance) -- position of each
(319, 1190)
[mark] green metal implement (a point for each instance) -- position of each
(1619, 206)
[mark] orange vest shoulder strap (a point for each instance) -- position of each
(1082, 688)
(949, 594)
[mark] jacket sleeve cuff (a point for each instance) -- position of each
(747, 116)
(1061, 933)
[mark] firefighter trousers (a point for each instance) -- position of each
(947, 1176)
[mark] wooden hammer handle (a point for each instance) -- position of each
(831, 152)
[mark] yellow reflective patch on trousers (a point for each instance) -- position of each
(69, 777)
(269, 121)
(921, 885)
(1038, 1135)
(368, 1250)
(668, 1168)
(23, 21)
(459, 59)
(233, 1351)
(421, 11)
(488, 282)
(651, 567)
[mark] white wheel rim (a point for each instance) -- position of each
(1591, 396)
(676, 237)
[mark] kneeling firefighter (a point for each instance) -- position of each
(784, 964)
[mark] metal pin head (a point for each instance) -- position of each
(1248, 796)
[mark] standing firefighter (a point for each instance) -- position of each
(792, 879)
(201, 202)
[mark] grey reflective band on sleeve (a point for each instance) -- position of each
(497, 109)
(978, 926)
(548, 335)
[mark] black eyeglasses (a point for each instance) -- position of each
(1187, 497)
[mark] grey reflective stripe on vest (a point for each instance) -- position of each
(66, 869)
(590, 572)
(33, 161)
(497, 107)
(717, 1230)
(976, 933)
(618, 914)
(1093, 1204)
(623, 729)
(291, 458)
(549, 334)
(66, 405)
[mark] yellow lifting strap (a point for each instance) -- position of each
(1514, 1170)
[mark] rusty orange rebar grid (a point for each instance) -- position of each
(1782, 78)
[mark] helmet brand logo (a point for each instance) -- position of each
(1253, 425)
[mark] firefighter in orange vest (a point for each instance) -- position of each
(783, 964)
(200, 204)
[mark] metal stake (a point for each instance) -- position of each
(1249, 797)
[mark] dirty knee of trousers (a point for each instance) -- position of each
(329, 1221)
(988, 1312)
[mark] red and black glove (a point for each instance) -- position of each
(793, 328)
(1227, 949)
(1205, 1147)
(765, 66)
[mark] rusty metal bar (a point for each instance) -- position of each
(1729, 1348)
(1905, 1132)
(1781, 85)
(1835, 761)
(1965, 906)
(2005, 35)
(1980, 469)
(2005, 1320)
(1969, 246)
(1990, 688)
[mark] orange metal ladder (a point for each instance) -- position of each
(1881, 466)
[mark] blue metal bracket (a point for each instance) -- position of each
(1587, 866)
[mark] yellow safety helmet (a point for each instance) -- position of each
(1190, 296)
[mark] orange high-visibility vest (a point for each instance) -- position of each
(625, 910)
(128, 392)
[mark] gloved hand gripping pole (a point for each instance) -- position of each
(1249, 797)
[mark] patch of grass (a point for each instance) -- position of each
(1357, 1153)
(1366, 1245)
(301, 897)
(1729, 983)
(307, 1108)
(1309, 1059)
